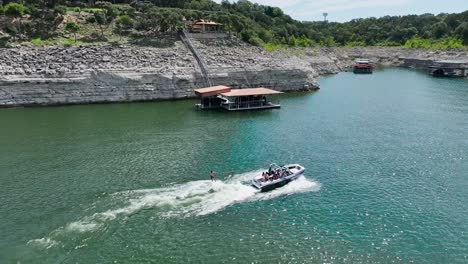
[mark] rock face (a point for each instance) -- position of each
(98, 74)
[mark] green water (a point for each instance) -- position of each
(386, 181)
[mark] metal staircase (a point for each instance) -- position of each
(185, 36)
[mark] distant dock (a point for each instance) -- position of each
(447, 68)
(363, 66)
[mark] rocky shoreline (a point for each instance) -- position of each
(99, 74)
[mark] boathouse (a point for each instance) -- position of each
(223, 97)
(209, 96)
(362, 66)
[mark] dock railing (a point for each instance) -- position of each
(257, 104)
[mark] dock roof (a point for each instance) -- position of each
(249, 92)
(212, 91)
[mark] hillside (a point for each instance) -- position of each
(89, 22)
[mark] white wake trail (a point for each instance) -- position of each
(196, 198)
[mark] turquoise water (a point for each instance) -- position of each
(386, 181)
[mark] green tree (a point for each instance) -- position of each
(329, 42)
(72, 27)
(462, 32)
(11, 29)
(160, 20)
(439, 30)
(15, 10)
(292, 41)
(100, 19)
(266, 35)
(452, 21)
(303, 41)
(124, 24)
(247, 34)
(61, 10)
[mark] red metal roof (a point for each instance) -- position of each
(249, 92)
(212, 91)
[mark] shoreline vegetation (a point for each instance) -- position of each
(79, 23)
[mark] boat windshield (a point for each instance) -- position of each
(281, 170)
(274, 167)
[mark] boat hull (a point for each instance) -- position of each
(271, 187)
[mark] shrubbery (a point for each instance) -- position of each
(62, 10)
(258, 24)
(124, 25)
(446, 43)
(15, 10)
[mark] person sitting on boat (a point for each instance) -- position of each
(277, 174)
(270, 175)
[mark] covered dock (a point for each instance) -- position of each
(363, 66)
(447, 68)
(209, 96)
(224, 97)
(249, 99)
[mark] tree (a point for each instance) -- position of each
(247, 34)
(452, 21)
(11, 30)
(100, 19)
(439, 30)
(72, 27)
(15, 10)
(160, 20)
(61, 10)
(462, 32)
(123, 24)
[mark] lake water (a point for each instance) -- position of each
(386, 181)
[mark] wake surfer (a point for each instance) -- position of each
(212, 176)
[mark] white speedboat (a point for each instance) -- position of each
(277, 176)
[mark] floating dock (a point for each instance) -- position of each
(363, 66)
(447, 68)
(224, 97)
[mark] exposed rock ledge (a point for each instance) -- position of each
(80, 75)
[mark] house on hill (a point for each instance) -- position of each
(206, 26)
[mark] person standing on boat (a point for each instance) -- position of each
(212, 176)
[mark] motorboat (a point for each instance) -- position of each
(277, 176)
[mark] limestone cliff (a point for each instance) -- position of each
(98, 74)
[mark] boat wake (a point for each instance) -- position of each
(196, 198)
